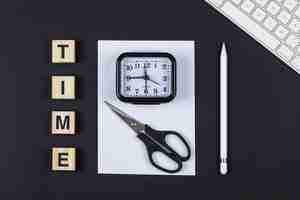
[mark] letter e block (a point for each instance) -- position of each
(63, 159)
(63, 51)
(63, 87)
(63, 122)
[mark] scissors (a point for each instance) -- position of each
(155, 141)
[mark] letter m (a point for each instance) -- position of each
(62, 124)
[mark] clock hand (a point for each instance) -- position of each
(136, 77)
(148, 78)
(145, 77)
(156, 83)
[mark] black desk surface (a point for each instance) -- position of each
(264, 102)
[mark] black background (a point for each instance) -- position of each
(264, 102)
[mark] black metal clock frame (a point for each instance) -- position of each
(146, 100)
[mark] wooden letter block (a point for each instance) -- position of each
(63, 122)
(63, 159)
(63, 87)
(63, 51)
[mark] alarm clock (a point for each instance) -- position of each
(146, 78)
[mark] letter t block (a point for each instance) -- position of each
(63, 51)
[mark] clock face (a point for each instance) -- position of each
(146, 76)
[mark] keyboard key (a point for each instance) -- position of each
(237, 2)
(259, 14)
(296, 62)
(248, 6)
(281, 32)
(290, 4)
(297, 12)
(295, 25)
(284, 17)
(285, 52)
(270, 23)
(262, 2)
(273, 8)
(254, 29)
(292, 41)
(216, 2)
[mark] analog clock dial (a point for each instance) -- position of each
(146, 77)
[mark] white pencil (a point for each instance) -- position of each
(223, 111)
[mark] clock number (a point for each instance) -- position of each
(137, 65)
(165, 78)
(129, 67)
(147, 65)
(146, 91)
(155, 91)
(128, 88)
(136, 91)
(164, 66)
(165, 89)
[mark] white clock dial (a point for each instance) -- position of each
(146, 77)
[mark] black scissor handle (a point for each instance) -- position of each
(155, 141)
(181, 138)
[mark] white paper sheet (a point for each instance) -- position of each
(119, 150)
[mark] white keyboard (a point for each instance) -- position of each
(273, 23)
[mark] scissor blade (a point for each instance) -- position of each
(137, 126)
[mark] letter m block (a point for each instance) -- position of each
(63, 123)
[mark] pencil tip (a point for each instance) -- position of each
(223, 45)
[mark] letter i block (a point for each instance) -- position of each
(63, 87)
(63, 122)
(63, 159)
(63, 51)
